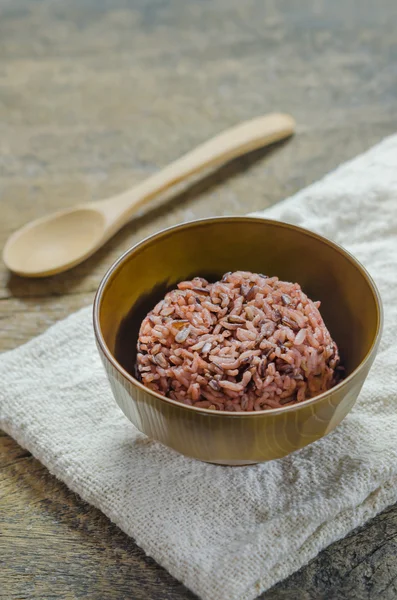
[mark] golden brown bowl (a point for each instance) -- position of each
(350, 306)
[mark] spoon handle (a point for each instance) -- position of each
(229, 144)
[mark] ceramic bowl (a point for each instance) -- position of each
(350, 306)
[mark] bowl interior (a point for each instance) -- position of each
(210, 248)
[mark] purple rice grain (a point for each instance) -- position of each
(247, 342)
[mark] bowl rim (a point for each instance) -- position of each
(139, 246)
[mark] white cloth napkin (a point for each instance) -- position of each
(225, 532)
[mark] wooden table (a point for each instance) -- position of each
(94, 97)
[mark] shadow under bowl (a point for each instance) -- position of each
(350, 305)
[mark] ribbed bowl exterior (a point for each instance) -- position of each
(231, 439)
(238, 438)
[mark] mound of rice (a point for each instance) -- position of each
(245, 343)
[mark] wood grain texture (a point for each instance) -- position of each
(94, 97)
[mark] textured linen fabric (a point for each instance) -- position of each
(227, 533)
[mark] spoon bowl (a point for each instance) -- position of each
(55, 243)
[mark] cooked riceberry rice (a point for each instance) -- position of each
(245, 343)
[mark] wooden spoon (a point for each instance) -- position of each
(64, 239)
